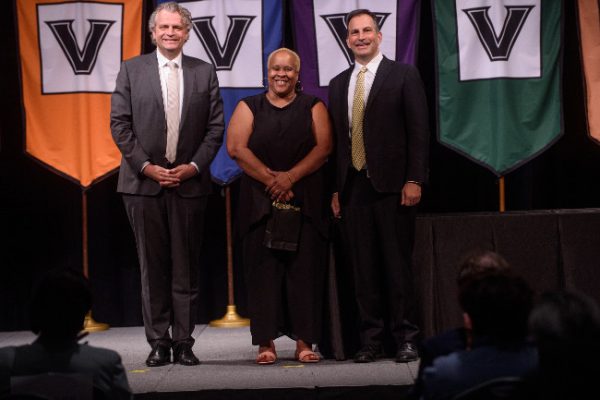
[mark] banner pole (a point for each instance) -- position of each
(89, 325)
(231, 319)
(501, 194)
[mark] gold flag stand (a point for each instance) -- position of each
(231, 319)
(501, 194)
(89, 325)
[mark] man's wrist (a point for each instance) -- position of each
(144, 165)
(415, 182)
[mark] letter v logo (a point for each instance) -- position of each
(339, 29)
(222, 57)
(498, 47)
(82, 61)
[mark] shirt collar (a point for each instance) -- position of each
(162, 60)
(372, 65)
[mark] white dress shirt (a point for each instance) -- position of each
(164, 72)
(372, 67)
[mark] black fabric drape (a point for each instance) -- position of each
(550, 249)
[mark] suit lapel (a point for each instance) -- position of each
(380, 77)
(344, 99)
(188, 85)
(154, 80)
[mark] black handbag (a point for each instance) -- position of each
(283, 227)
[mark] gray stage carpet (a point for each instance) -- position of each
(227, 364)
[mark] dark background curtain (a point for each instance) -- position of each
(41, 223)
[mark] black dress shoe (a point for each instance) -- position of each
(183, 354)
(407, 353)
(160, 355)
(367, 354)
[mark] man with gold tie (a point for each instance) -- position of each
(380, 119)
(167, 120)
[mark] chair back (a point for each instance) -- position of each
(504, 388)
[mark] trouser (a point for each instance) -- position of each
(168, 233)
(378, 238)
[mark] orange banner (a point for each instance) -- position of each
(70, 56)
(589, 32)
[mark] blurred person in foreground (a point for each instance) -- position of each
(476, 264)
(58, 308)
(565, 326)
(281, 139)
(496, 308)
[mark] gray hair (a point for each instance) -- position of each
(174, 7)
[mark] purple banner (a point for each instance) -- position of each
(320, 36)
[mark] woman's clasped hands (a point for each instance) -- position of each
(280, 186)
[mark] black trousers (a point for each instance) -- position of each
(285, 289)
(377, 236)
(168, 232)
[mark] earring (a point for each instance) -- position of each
(299, 87)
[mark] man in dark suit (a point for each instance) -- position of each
(380, 119)
(167, 120)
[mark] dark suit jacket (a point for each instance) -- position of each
(139, 125)
(433, 347)
(103, 365)
(458, 371)
(395, 127)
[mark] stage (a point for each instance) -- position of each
(228, 371)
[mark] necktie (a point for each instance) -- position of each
(358, 112)
(172, 112)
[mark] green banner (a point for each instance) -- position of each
(498, 79)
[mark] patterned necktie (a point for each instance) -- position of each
(172, 112)
(358, 112)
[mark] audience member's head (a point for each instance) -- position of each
(565, 316)
(566, 328)
(59, 305)
(478, 263)
(496, 306)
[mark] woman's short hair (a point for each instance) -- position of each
(292, 53)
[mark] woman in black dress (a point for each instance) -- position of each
(281, 139)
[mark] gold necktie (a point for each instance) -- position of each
(172, 112)
(358, 112)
